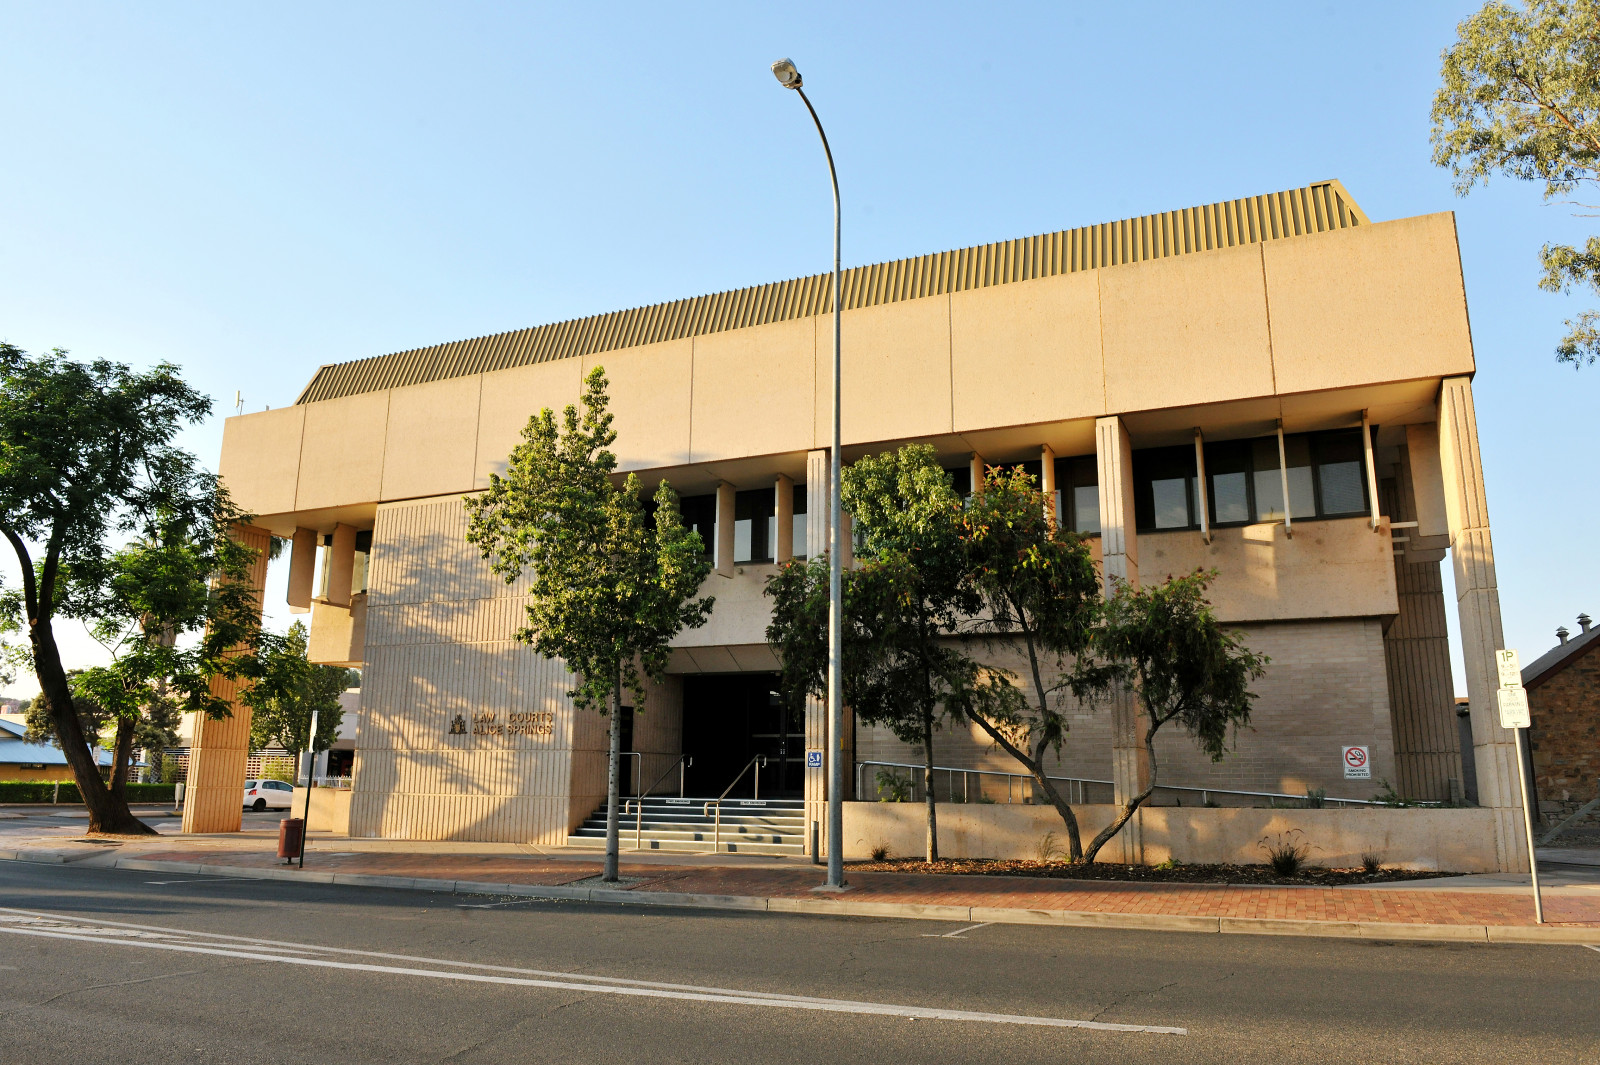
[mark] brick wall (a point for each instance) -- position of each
(1566, 733)
(1326, 687)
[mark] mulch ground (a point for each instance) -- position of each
(1149, 874)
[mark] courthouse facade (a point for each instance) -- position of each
(1277, 388)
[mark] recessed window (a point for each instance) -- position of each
(754, 531)
(800, 546)
(1163, 489)
(1326, 472)
(700, 514)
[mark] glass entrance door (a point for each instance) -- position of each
(728, 719)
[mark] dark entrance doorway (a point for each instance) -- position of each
(728, 719)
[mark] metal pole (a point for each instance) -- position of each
(1527, 822)
(835, 878)
(311, 758)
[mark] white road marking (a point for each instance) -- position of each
(112, 933)
(209, 880)
(495, 905)
(1591, 946)
(958, 933)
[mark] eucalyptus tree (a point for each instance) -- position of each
(87, 457)
(1520, 96)
(1041, 598)
(611, 581)
(1183, 666)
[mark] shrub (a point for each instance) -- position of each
(880, 852)
(892, 788)
(1370, 863)
(171, 770)
(1316, 798)
(45, 791)
(1286, 851)
(278, 770)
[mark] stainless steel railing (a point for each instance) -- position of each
(1077, 790)
(716, 833)
(637, 803)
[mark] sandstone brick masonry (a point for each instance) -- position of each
(1565, 705)
(1326, 687)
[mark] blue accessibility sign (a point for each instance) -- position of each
(814, 759)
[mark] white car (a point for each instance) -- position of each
(267, 794)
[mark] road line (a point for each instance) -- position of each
(1591, 946)
(958, 933)
(575, 982)
(211, 880)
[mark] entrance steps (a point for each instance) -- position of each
(749, 826)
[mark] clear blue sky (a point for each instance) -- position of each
(250, 193)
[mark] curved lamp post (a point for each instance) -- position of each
(784, 70)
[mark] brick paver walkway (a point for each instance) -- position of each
(1411, 906)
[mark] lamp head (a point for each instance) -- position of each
(784, 70)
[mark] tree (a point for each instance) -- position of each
(910, 595)
(86, 453)
(1182, 666)
(41, 726)
(607, 590)
(1040, 594)
(174, 608)
(288, 689)
(1521, 97)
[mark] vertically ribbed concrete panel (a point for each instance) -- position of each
(465, 733)
(214, 798)
(1478, 604)
(817, 470)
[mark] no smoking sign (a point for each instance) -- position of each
(1357, 763)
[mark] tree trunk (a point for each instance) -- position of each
(108, 812)
(1036, 768)
(121, 757)
(927, 780)
(1130, 807)
(613, 778)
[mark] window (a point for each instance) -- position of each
(1078, 494)
(754, 531)
(1163, 489)
(700, 514)
(961, 480)
(800, 547)
(1326, 473)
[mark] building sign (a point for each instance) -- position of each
(516, 723)
(1357, 763)
(813, 758)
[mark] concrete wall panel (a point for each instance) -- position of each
(650, 394)
(896, 360)
(430, 446)
(1186, 330)
(1048, 334)
(261, 459)
(1374, 303)
(753, 390)
(341, 455)
(509, 398)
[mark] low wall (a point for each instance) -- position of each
(1411, 838)
(330, 810)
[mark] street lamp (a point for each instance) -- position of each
(789, 77)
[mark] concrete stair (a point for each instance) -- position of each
(749, 826)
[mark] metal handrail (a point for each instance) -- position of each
(716, 833)
(1204, 793)
(683, 762)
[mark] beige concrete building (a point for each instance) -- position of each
(1174, 379)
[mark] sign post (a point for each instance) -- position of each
(311, 767)
(1511, 699)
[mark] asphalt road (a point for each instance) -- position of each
(103, 965)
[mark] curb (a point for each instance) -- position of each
(843, 907)
(48, 857)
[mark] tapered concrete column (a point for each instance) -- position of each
(1478, 604)
(302, 568)
(1047, 481)
(1119, 557)
(783, 517)
(213, 799)
(724, 533)
(341, 564)
(816, 780)
(975, 471)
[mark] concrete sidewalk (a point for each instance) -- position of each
(1469, 909)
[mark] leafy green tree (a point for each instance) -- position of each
(41, 724)
(86, 454)
(1521, 97)
(288, 689)
(911, 594)
(1040, 595)
(609, 587)
(1180, 663)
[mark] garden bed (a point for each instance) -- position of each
(1314, 876)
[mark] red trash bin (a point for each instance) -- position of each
(291, 837)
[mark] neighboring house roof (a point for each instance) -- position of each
(1559, 657)
(15, 750)
(1316, 208)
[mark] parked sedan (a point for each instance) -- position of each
(263, 794)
